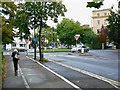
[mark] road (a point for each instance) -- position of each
(103, 62)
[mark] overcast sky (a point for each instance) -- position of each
(77, 10)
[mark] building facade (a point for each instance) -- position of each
(21, 45)
(99, 19)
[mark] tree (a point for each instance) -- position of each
(114, 27)
(39, 13)
(8, 9)
(103, 36)
(7, 34)
(66, 29)
(87, 35)
(48, 34)
(95, 3)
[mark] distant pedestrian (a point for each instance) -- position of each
(15, 56)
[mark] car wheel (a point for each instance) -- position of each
(73, 51)
(79, 51)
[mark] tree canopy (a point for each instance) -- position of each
(66, 30)
(95, 3)
(114, 27)
(35, 14)
(8, 9)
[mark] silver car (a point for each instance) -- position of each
(79, 49)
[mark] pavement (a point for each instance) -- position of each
(31, 75)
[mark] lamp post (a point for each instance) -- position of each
(34, 34)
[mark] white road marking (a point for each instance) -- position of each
(72, 84)
(25, 81)
(112, 82)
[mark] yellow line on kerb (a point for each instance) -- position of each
(89, 73)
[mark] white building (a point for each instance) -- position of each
(18, 44)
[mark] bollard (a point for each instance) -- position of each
(82, 51)
(27, 52)
(114, 47)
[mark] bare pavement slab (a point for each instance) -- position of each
(31, 75)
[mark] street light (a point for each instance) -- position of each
(34, 34)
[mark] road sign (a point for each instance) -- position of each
(53, 45)
(35, 39)
(76, 37)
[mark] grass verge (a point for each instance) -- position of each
(55, 50)
(44, 60)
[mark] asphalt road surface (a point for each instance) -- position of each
(103, 63)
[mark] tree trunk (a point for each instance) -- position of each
(40, 53)
(102, 45)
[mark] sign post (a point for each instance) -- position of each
(76, 38)
(53, 45)
(35, 40)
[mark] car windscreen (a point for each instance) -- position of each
(80, 47)
(84, 47)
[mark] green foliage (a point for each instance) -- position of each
(9, 8)
(48, 34)
(91, 40)
(35, 14)
(67, 29)
(7, 34)
(88, 36)
(39, 12)
(94, 4)
(114, 28)
(56, 50)
(89, 45)
(97, 45)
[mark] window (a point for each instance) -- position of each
(14, 45)
(21, 45)
(98, 22)
(105, 14)
(105, 22)
(98, 31)
(98, 14)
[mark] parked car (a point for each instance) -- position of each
(50, 47)
(79, 48)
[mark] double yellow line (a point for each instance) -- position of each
(115, 83)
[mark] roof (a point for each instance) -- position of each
(101, 10)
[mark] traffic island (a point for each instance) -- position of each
(80, 54)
